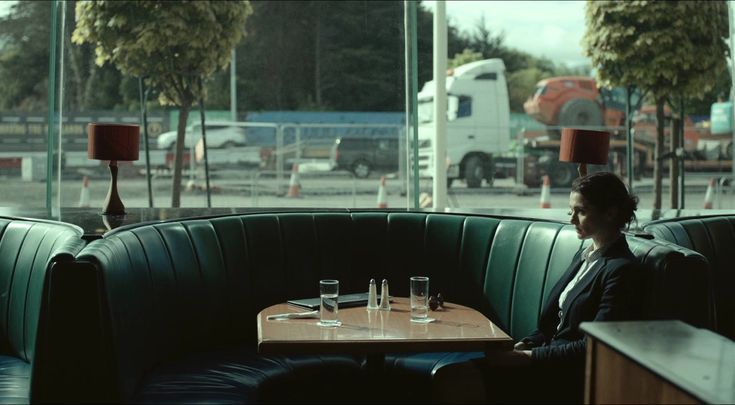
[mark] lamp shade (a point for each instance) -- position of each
(584, 146)
(113, 141)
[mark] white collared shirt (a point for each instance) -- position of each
(589, 258)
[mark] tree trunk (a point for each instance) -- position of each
(658, 164)
(674, 163)
(179, 155)
(90, 85)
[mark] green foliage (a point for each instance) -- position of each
(297, 55)
(663, 47)
(24, 58)
(467, 56)
(522, 83)
(172, 44)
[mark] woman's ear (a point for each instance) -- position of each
(612, 213)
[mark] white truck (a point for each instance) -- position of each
(478, 122)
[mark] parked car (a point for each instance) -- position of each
(219, 135)
(363, 155)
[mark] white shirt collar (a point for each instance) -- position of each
(591, 254)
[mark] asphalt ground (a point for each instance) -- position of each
(247, 188)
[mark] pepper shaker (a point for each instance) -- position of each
(384, 296)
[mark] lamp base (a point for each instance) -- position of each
(113, 204)
(113, 221)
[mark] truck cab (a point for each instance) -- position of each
(478, 122)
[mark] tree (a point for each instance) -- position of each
(668, 49)
(467, 56)
(24, 37)
(174, 45)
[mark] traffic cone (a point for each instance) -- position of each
(382, 200)
(294, 187)
(84, 195)
(545, 193)
(709, 195)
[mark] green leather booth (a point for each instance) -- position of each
(713, 237)
(29, 251)
(179, 298)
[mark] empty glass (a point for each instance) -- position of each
(329, 308)
(420, 299)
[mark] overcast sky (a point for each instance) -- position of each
(5, 7)
(542, 28)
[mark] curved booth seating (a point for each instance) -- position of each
(180, 298)
(714, 238)
(30, 250)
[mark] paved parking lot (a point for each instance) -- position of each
(245, 188)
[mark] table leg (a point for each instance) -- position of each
(374, 364)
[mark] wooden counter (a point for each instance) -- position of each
(659, 362)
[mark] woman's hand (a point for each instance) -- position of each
(509, 358)
(522, 346)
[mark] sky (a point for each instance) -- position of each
(5, 7)
(553, 29)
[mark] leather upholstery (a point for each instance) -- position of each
(28, 249)
(187, 288)
(713, 237)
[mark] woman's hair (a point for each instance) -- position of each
(605, 190)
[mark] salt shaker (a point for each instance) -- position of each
(384, 296)
(372, 295)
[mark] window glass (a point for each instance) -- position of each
(464, 107)
(25, 29)
(304, 76)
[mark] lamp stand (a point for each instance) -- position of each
(582, 169)
(113, 204)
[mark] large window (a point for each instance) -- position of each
(305, 108)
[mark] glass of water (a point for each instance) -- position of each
(420, 299)
(328, 308)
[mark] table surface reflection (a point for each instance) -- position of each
(456, 328)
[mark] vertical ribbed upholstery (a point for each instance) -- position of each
(714, 238)
(28, 249)
(182, 286)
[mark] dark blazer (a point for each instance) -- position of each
(609, 292)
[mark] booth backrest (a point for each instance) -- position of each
(713, 237)
(27, 250)
(183, 286)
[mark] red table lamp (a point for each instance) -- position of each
(584, 146)
(113, 142)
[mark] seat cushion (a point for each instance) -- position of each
(410, 376)
(15, 378)
(237, 375)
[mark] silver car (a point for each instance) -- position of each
(219, 135)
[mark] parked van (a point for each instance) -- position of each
(478, 122)
(363, 155)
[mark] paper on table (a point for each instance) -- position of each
(294, 315)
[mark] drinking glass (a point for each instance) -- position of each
(420, 299)
(329, 308)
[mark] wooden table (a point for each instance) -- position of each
(456, 328)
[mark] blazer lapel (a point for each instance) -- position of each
(584, 283)
(564, 281)
(613, 251)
